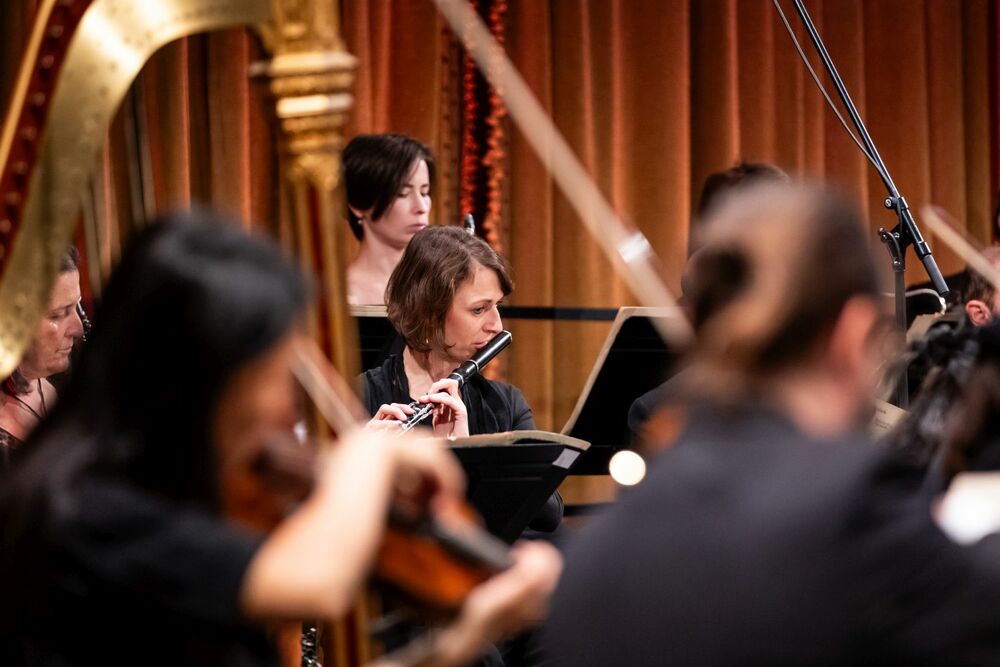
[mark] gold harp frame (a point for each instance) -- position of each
(310, 75)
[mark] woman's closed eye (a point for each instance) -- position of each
(479, 310)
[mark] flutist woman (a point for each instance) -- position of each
(442, 298)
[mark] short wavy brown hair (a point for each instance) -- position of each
(422, 287)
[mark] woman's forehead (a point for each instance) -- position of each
(482, 283)
(66, 290)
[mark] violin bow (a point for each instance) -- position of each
(329, 391)
(944, 228)
(627, 247)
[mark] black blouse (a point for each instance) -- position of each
(494, 407)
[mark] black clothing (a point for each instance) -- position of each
(119, 577)
(750, 543)
(8, 443)
(493, 407)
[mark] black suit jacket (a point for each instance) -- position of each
(752, 544)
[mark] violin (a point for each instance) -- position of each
(432, 561)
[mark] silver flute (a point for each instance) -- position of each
(421, 411)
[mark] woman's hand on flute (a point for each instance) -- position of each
(451, 418)
(389, 417)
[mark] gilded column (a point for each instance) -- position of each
(311, 77)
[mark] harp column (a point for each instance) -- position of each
(311, 77)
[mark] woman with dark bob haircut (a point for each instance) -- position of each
(442, 298)
(112, 523)
(388, 179)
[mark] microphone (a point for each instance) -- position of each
(462, 374)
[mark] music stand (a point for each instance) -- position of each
(376, 336)
(633, 360)
(512, 474)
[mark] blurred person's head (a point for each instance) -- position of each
(388, 179)
(187, 356)
(982, 301)
(967, 425)
(719, 185)
(714, 192)
(943, 357)
(786, 294)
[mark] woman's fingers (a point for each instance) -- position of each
(446, 385)
(446, 400)
(451, 418)
(503, 605)
(398, 411)
(519, 597)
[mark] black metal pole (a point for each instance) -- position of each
(905, 233)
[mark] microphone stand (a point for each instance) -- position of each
(906, 232)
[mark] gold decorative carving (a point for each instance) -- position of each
(113, 41)
(311, 79)
(303, 26)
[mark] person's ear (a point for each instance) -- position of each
(359, 214)
(849, 348)
(979, 312)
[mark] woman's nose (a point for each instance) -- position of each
(75, 328)
(419, 205)
(494, 323)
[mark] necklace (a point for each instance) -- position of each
(31, 409)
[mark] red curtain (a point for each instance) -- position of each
(652, 94)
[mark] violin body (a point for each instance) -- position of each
(433, 562)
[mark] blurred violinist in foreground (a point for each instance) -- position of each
(115, 541)
(772, 532)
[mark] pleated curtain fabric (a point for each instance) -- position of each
(652, 94)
